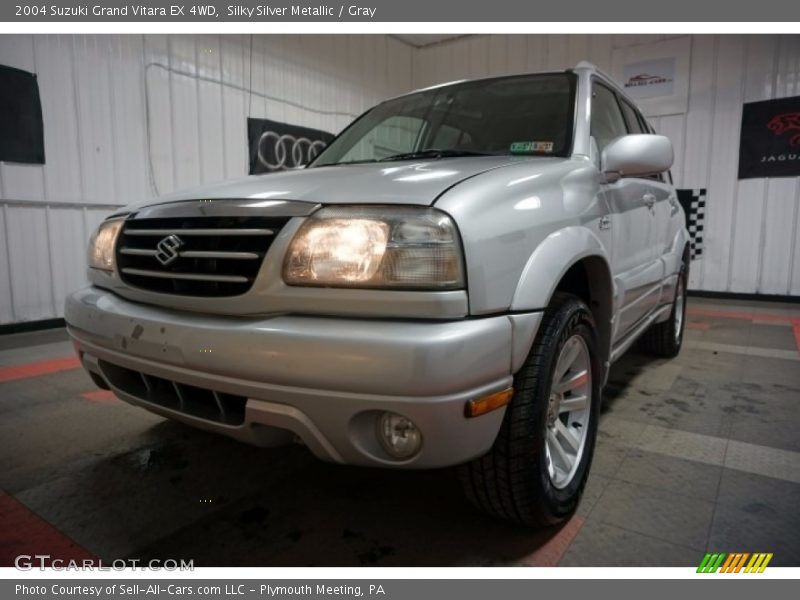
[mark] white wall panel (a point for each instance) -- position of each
(399, 64)
(779, 230)
(67, 247)
(158, 113)
(29, 261)
(751, 238)
(128, 117)
(6, 298)
(62, 142)
(536, 59)
(209, 109)
(746, 245)
(92, 72)
(517, 61)
(184, 110)
(725, 126)
(794, 284)
(234, 105)
(600, 49)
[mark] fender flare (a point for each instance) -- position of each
(550, 261)
(545, 268)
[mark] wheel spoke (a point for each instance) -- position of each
(573, 403)
(571, 382)
(558, 456)
(571, 352)
(568, 436)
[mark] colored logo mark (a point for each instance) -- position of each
(734, 562)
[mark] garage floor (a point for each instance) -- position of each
(698, 453)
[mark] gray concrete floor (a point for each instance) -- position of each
(697, 453)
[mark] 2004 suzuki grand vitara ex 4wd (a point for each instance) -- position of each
(445, 284)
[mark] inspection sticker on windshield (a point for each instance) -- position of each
(531, 147)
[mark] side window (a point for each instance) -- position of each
(634, 123)
(607, 120)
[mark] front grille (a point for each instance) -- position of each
(197, 402)
(212, 256)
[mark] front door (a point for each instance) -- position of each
(632, 222)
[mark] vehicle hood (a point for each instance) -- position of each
(418, 182)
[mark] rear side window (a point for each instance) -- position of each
(607, 120)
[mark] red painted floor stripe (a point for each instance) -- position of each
(23, 532)
(38, 368)
(100, 397)
(746, 316)
(728, 314)
(796, 328)
(552, 551)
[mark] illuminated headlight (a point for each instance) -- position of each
(101, 246)
(376, 247)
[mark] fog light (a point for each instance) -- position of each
(398, 435)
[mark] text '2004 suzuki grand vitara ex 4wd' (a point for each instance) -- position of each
(446, 284)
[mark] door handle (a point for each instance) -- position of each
(649, 200)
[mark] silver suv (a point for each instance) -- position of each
(446, 284)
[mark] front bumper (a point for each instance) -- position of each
(325, 380)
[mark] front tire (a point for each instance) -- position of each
(536, 471)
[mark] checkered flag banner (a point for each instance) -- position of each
(694, 207)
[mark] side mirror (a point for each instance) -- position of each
(636, 155)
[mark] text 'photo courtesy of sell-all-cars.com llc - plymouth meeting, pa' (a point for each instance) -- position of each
(446, 284)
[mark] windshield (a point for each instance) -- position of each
(523, 114)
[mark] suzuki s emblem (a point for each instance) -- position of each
(168, 249)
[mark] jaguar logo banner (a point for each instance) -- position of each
(276, 146)
(770, 141)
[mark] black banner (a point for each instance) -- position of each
(276, 146)
(769, 145)
(21, 127)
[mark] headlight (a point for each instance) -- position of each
(376, 247)
(101, 246)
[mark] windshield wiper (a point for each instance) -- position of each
(432, 153)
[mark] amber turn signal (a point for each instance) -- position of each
(481, 406)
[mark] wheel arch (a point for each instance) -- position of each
(570, 260)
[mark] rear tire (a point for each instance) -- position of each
(527, 476)
(665, 339)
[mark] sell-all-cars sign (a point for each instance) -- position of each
(769, 145)
(650, 78)
(276, 146)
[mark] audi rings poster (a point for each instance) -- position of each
(278, 146)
